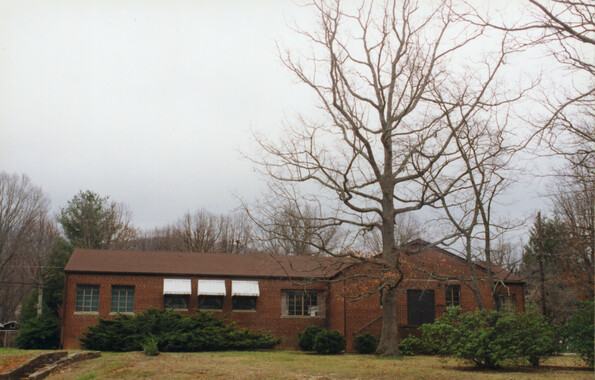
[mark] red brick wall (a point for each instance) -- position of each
(348, 316)
(352, 316)
(149, 293)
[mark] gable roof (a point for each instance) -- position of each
(499, 273)
(203, 264)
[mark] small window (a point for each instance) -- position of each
(176, 301)
(453, 295)
(122, 299)
(507, 302)
(244, 303)
(87, 298)
(210, 302)
(302, 303)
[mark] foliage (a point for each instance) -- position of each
(559, 277)
(365, 343)
(491, 339)
(38, 332)
(150, 347)
(329, 342)
(306, 341)
(579, 332)
(174, 333)
(413, 345)
(91, 221)
(536, 339)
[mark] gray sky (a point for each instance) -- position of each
(148, 102)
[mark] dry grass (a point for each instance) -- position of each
(297, 365)
(12, 357)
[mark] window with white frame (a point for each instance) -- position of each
(302, 303)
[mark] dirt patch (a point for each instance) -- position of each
(10, 362)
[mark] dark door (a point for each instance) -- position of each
(420, 307)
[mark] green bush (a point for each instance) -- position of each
(412, 346)
(365, 343)
(39, 333)
(173, 333)
(490, 339)
(536, 340)
(150, 347)
(329, 342)
(579, 332)
(306, 341)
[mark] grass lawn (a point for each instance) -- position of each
(297, 365)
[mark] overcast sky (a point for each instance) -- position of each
(148, 102)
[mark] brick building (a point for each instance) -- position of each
(281, 294)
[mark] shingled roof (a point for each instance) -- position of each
(204, 264)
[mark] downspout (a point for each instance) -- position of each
(63, 311)
(344, 312)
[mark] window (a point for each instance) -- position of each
(176, 293)
(244, 294)
(302, 303)
(420, 307)
(176, 301)
(453, 295)
(210, 294)
(244, 303)
(87, 298)
(210, 302)
(122, 299)
(507, 302)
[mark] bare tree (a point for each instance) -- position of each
(23, 208)
(200, 231)
(377, 71)
(288, 226)
(168, 238)
(574, 202)
(236, 234)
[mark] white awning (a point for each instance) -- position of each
(211, 287)
(176, 286)
(244, 288)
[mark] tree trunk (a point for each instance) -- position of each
(471, 264)
(39, 300)
(389, 336)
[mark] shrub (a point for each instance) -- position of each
(39, 333)
(306, 341)
(535, 338)
(579, 332)
(365, 343)
(173, 332)
(411, 346)
(329, 342)
(479, 336)
(490, 339)
(150, 347)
